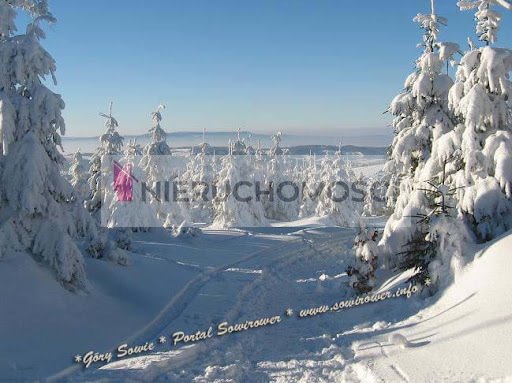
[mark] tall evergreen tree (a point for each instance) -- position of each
(280, 181)
(38, 214)
(337, 200)
(311, 187)
(421, 111)
(158, 166)
(200, 177)
(472, 162)
(108, 243)
(422, 118)
(111, 143)
(481, 100)
(230, 211)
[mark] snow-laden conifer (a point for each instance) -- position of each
(111, 143)
(79, 176)
(246, 210)
(422, 120)
(421, 113)
(481, 99)
(38, 212)
(337, 199)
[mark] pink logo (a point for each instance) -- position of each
(123, 181)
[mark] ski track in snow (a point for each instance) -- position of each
(303, 271)
(180, 301)
(283, 255)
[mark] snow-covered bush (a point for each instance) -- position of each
(362, 273)
(184, 231)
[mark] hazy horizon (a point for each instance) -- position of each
(313, 132)
(360, 137)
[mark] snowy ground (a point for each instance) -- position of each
(122, 300)
(261, 275)
(189, 284)
(463, 336)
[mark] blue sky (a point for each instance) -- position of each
(301, 66)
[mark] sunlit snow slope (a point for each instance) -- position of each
(465, 336)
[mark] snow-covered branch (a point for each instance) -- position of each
(505, 4)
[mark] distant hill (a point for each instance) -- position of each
(370, 142)
(331, 149)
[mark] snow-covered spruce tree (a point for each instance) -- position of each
(37, 212)
(276, 149)
(159, 168)
(130, 213)
(228, 210)
(421, 112)
(177, 213)
(337, 200)
(482, 100)
(156, 162)
(79, 177)
(239, 147)
(157, 147)
(311, 187)
(111, 143)
(422, 119)
(199, 176)
(283, 202)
